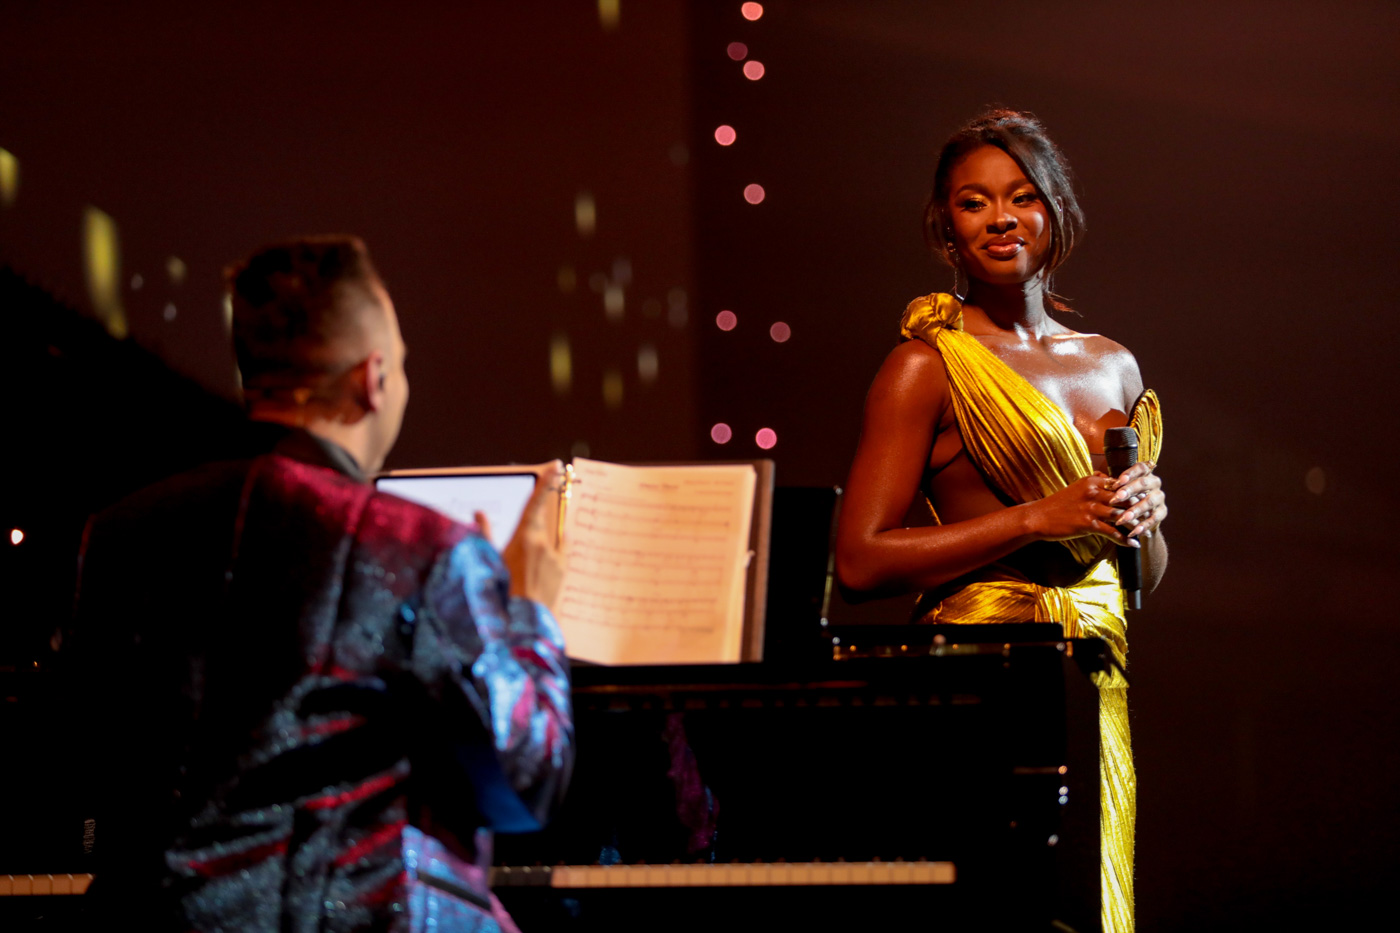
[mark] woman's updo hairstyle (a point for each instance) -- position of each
(1020, 135)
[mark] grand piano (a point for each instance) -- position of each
(948, 786)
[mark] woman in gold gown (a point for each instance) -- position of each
(995, 412)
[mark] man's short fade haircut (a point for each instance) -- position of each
(294, 303)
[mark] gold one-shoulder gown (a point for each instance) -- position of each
(1027, 448)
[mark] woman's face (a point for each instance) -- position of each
(1000, 225)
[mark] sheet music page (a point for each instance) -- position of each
(657, 561)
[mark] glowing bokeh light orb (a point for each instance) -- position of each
(737, 51)
(726, 320)
(725, 135)
(766, 438)
(753, 70)
(754, 194)
(721, 433)
(780, 332)
(16, 536)
(751, 11)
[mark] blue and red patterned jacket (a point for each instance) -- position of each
(310, 703)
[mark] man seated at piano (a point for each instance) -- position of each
(311, 703)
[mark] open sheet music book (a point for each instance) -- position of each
(667, 564)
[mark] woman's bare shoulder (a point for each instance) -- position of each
(1113, 360)
(912, 367)
(914, 352)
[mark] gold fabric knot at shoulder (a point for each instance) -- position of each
(928, 315)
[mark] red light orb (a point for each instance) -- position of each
(780, 332)
(766, 438)
(726, 320)
(725, 135)
(738, 51)
(753, 70)
(721, 433)
(751, 11)
(754, 194)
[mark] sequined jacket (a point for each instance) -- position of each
(310, 703)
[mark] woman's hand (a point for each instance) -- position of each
(1138, 493)
(1083, 507)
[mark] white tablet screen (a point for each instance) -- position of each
(501, 496)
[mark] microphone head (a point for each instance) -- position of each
(1120, 449)
(1119, 438)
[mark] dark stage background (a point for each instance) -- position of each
(542, 189)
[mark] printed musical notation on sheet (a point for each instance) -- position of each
(656, 562)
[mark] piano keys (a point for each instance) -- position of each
(44, 885)
(722, 875)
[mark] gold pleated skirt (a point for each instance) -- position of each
(1092, 608)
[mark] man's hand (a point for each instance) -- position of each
(533, 558)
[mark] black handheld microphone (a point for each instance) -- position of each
(1120, 448)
